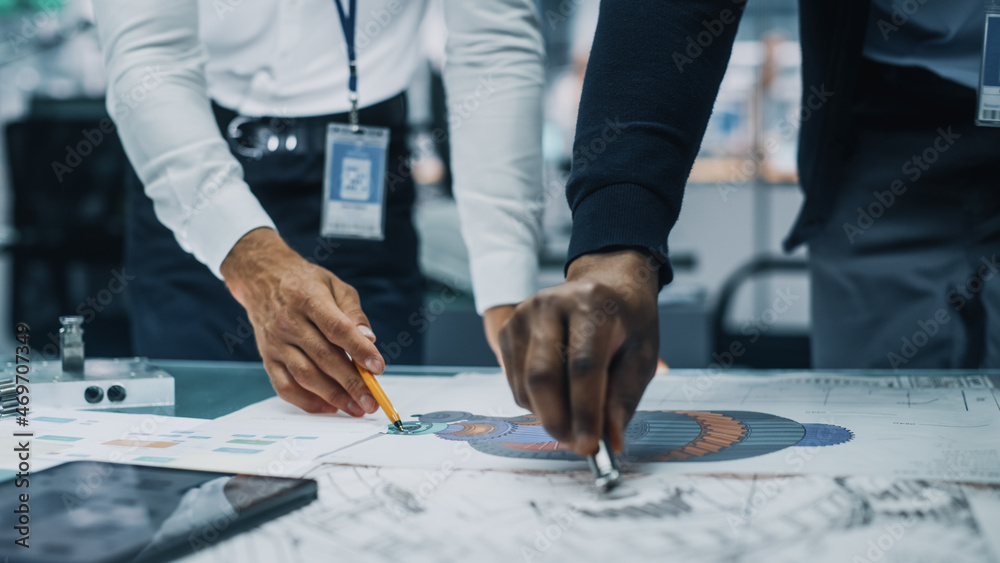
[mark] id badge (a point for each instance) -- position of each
(354, 182)
(988, 110)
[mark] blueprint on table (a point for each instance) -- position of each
(791, 424)
(719, 468)
(393, 514)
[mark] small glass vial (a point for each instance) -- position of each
(71, 343)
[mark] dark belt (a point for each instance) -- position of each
(895, 97)
(257, 137)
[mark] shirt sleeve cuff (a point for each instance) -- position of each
(503, 278)
(220, 223)
(623, 216)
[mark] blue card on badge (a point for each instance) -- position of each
(354, 182)
(989, 78)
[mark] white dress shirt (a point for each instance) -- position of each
(167, 58)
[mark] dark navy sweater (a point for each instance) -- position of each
(652, 79)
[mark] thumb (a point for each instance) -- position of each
(360, 339)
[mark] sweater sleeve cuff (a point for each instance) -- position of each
(503, 278)
(623, 216)
(215, 228)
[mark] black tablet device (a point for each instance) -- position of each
(93, 512)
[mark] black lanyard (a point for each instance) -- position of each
(347, 23)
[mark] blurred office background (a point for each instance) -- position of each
(61, 216)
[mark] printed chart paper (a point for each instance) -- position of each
(61, 435)
(269, 447)
(787, 424)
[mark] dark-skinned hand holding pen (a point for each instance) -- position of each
(580, 355)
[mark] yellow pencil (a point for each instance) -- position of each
(380, 397)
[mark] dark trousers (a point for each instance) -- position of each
(906, 273)
(180, 310)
